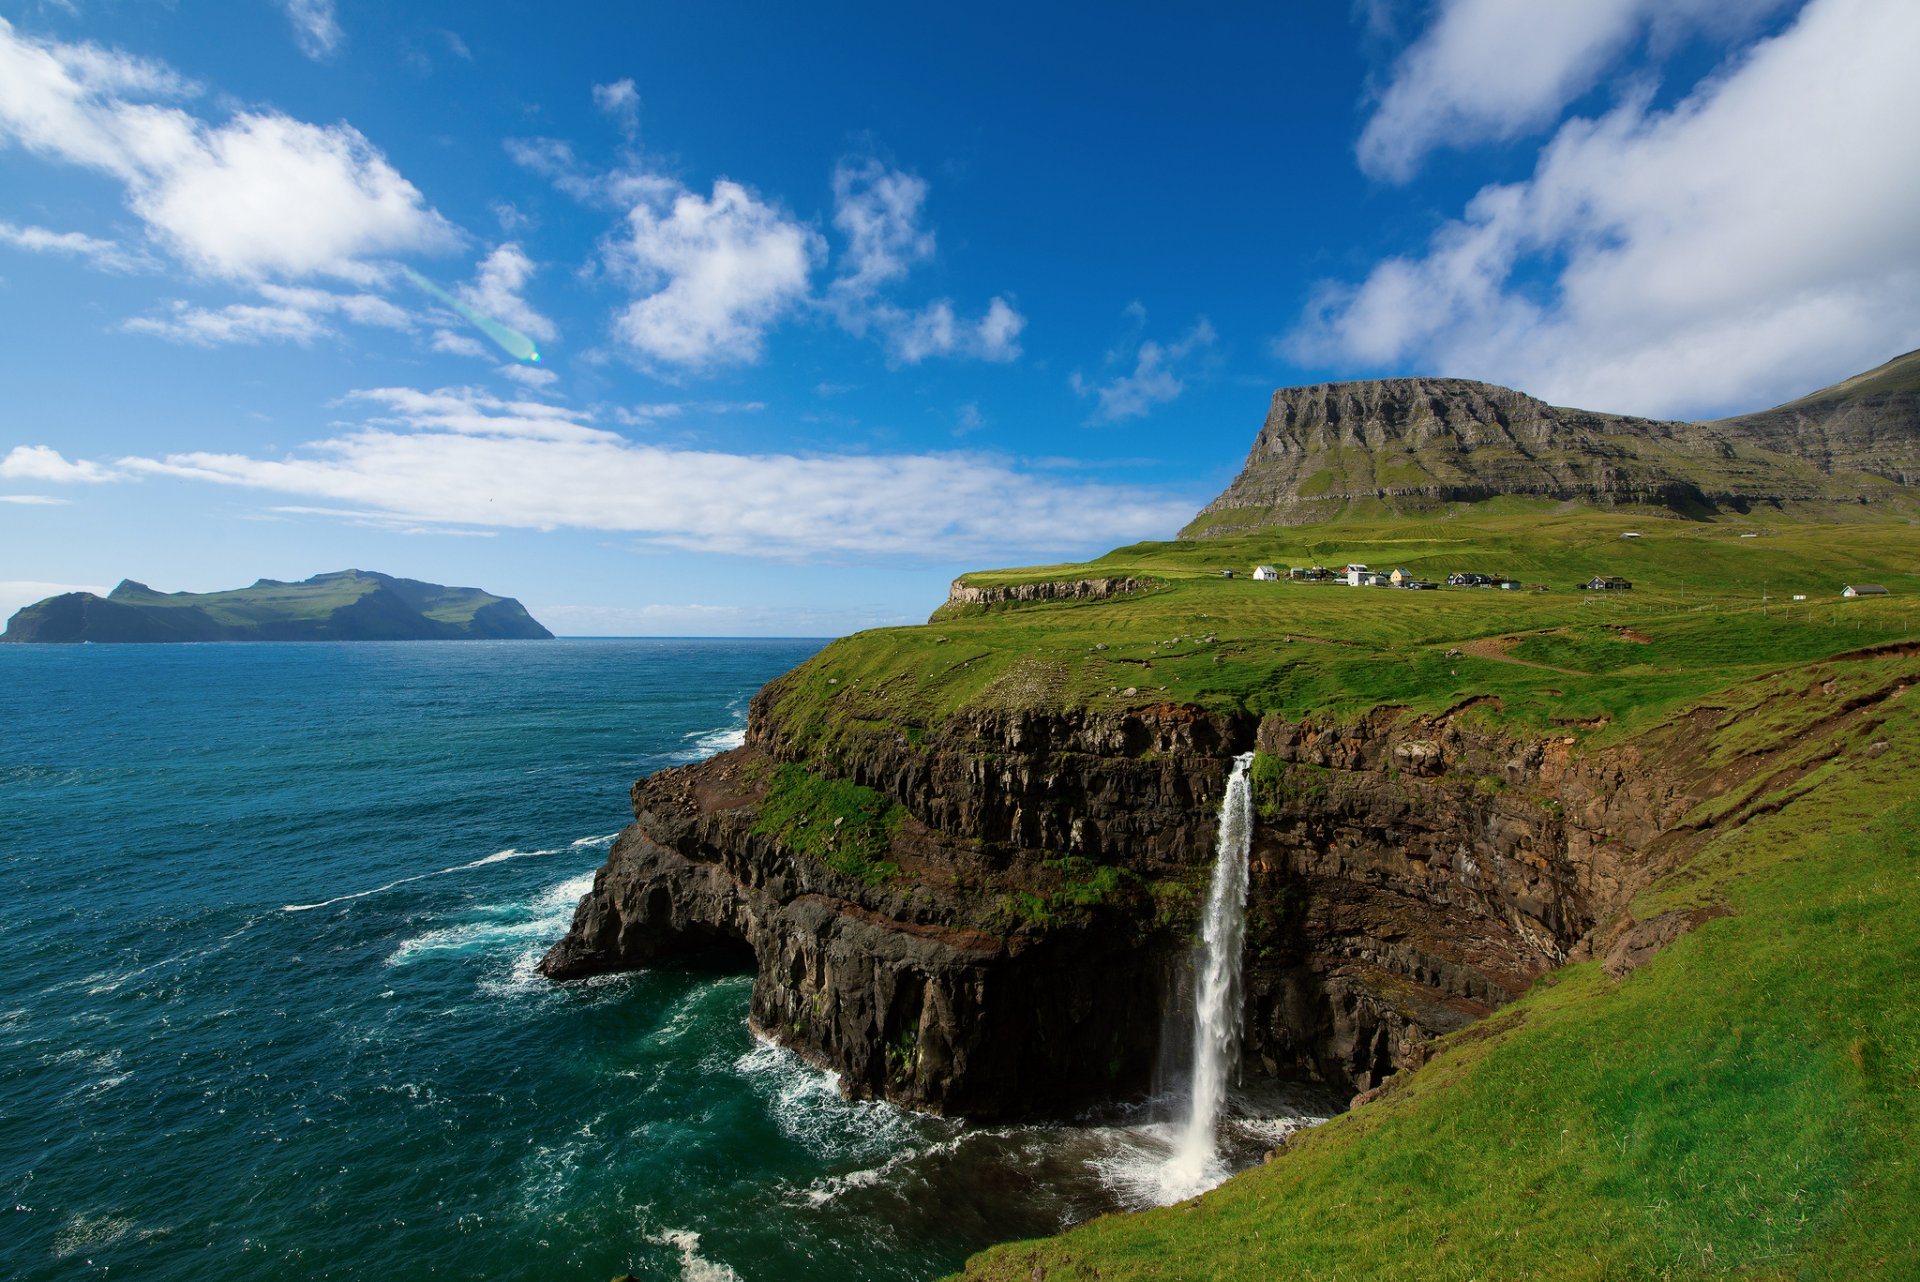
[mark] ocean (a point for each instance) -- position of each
(271, 913)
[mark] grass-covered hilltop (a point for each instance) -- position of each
(1599, 901)
(348, 605)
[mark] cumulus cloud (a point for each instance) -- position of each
(1758, 239)
(621, 103)
(261, 196)
(289, 314)
(459, 458)
(44, 463)
(316, 28)
(496, 293)
(445, 340)
(1154, 380)
(934, 330)
(1487, 70)
(537, 377)
(106, 255)
(715, 273)
(878, 211)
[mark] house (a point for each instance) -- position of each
(1507, 585)
(1265, 573)
(1865, 589)
(1400, 578)
(1607, 583)
(1226, 574)
(1353, 574)
(1464, 579)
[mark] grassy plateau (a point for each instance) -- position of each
(1748, 1103)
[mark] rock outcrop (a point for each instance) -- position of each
(963, 593)
(1414, 443)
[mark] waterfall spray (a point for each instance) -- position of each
(1217, 1008)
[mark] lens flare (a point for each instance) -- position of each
(511, 341)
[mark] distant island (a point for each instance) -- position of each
(347, 605)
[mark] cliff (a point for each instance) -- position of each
(1015, 936)
(1412, 444)
(350, 605)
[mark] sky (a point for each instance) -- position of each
(832, 303)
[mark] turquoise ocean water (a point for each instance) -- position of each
(270, 917)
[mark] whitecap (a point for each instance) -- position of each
(805, 1102)
(498, 857)
(693, 1266)
(526, 928)
(711, 743)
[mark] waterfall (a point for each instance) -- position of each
(1217, 1007)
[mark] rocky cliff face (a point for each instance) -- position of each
(963, 593)
(1409, 875)
(1417, 442)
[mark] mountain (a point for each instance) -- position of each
(1413, 444)
(348, 605)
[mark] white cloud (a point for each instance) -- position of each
(621, 102)
(104, 254)
(315, 27)
(43, 463)
(1154, 380)
(878, 210)
(645, 415)
(1757, 240)
(261, 196)
(290, 314)
(934, 330)
(463, 458)
(445, 340)
(496, 293)
(15, 593)
(1487, 70)
(534, 376)
(717, 272)
(703, 619)
(34, 500)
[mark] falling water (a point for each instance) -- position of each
(1195, 1165)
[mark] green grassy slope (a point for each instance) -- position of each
(1745, 1104)
(1695, 622)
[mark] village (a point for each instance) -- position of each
(1357, 575)
(1361, 576)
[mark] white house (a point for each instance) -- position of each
(1865, 589)
(1265, 572)
(1356, 575)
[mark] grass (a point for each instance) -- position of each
(840, 824)
(316, 599)
(1746, 1104)
(1332, 652)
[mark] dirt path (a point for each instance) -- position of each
(1495, 648)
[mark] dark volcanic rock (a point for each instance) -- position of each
(1409, 874)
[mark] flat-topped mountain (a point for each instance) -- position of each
(1408, 444)
(347, 605)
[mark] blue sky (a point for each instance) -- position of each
(833, 304)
